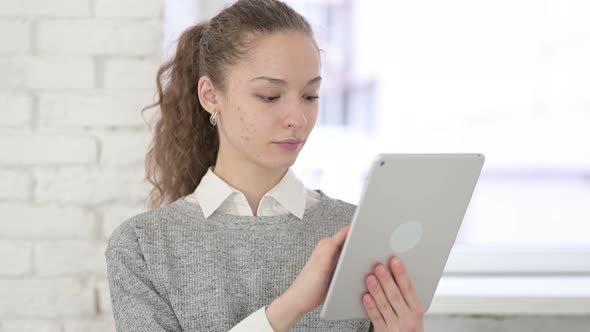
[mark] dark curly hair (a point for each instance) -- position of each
(185, 144)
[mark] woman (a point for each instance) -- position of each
(235, 241)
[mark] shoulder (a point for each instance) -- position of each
(341, 210)
(140, 227)
(337, 203)
(344, 206)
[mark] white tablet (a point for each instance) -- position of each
(412, 206)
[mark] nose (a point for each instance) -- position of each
(296, 116)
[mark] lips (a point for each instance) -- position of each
(291, 141)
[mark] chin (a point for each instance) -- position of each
(284, 162)
(290, 162)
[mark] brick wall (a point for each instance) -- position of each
(74, 75)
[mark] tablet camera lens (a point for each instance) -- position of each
(382, 163)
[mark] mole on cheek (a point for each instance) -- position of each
(241, 115)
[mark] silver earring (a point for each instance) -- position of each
(213, 118)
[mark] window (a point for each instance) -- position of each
(509, 79)
(347, 99)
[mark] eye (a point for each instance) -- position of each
(311, 98)
(268, 99)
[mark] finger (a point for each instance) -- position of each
(344, 230)
(339, 237)
(373, 313)
(383, 304)
(333, 245)
(402, 279)
(391, 290)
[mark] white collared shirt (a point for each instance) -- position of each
(289, 196)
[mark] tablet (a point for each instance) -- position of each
(412, 206)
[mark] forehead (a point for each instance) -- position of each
(292, 56)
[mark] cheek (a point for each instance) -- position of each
(312, 118)
(247, 124)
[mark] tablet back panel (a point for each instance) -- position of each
(412, 206)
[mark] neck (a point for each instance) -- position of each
(251, 179)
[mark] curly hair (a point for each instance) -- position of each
(184, 143)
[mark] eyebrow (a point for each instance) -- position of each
(282, 82)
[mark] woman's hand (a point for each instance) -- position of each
(392, 304)
(310, 288)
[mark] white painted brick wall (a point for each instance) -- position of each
(19, 325)
(47, 298)
(75, 75)
(114, 215)
(40, 148)
(44, 8)
(67, 258)
(128, 8)
(89, 325)
(89, 186)
(14, 185)
(52, 72)
(16, 110)
(93, 109)
(129, 73)
(99, 37)
(15, 36)
(16, 258)
(119, 149)
(46, 222)
(104, 298)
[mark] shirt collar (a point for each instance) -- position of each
(291, 193)
(212, 191)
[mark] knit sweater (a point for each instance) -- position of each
(171, 269)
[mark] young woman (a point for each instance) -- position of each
(235, 241)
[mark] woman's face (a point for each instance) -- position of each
(271, 95)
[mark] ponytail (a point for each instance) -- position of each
(185, 144)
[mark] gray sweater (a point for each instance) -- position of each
(171, 269)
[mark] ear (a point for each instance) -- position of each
(208, 95)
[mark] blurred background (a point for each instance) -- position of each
(510, 79)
